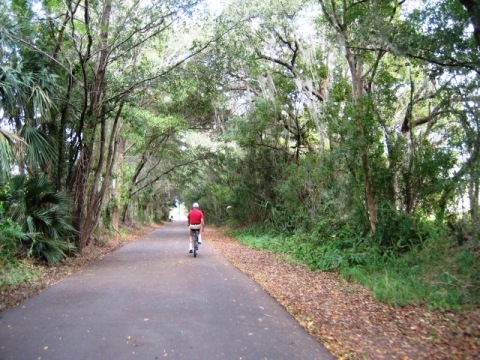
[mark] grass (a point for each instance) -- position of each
(12, 274)
(438, 275)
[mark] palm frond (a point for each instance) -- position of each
(29, 225)
(52, 250)
(43, 213)
(40, 151)
(10, 148)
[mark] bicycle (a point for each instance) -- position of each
(195, 241)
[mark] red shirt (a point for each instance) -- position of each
(195, 217)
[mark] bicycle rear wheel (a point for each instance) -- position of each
(195, 244)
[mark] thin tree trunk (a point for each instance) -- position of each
(80, 186)
(474, 197)
(61, 136)
(99, 189)
(356, 70)
(116, 194)
(86, 218)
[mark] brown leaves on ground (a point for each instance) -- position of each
(346, 319)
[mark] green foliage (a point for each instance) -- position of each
(436, 275)
(12, 274)
(8, 142)
(145, 122)
(300, 146)
(11, 235)
(315, 252)
(412, 129)
(39, 150)
(51, 250)
(399, 232)
(43, 214)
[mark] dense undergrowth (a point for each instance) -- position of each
(438, 274)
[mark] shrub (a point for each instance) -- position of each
(43, 214)
(399, 231)
(10, 237)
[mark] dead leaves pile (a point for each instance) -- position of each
(346, 319)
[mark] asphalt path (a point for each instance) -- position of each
(151, 299)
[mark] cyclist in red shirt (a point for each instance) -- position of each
(195, 221)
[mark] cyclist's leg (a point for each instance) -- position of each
(195, 243)
(190, 241)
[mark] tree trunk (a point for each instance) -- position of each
(87, 212)
(80, 186)
(355, 65)
(473, 9)
(116, 193)
(474, 193)
(356, 71)
(61, 136)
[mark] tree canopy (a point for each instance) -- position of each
(352, 124)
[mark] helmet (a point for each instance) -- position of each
(195, 205)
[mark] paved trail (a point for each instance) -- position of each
(152, 300)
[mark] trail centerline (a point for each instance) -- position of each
(152, 300)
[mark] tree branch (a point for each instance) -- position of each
(172, 67)
(153, 181)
